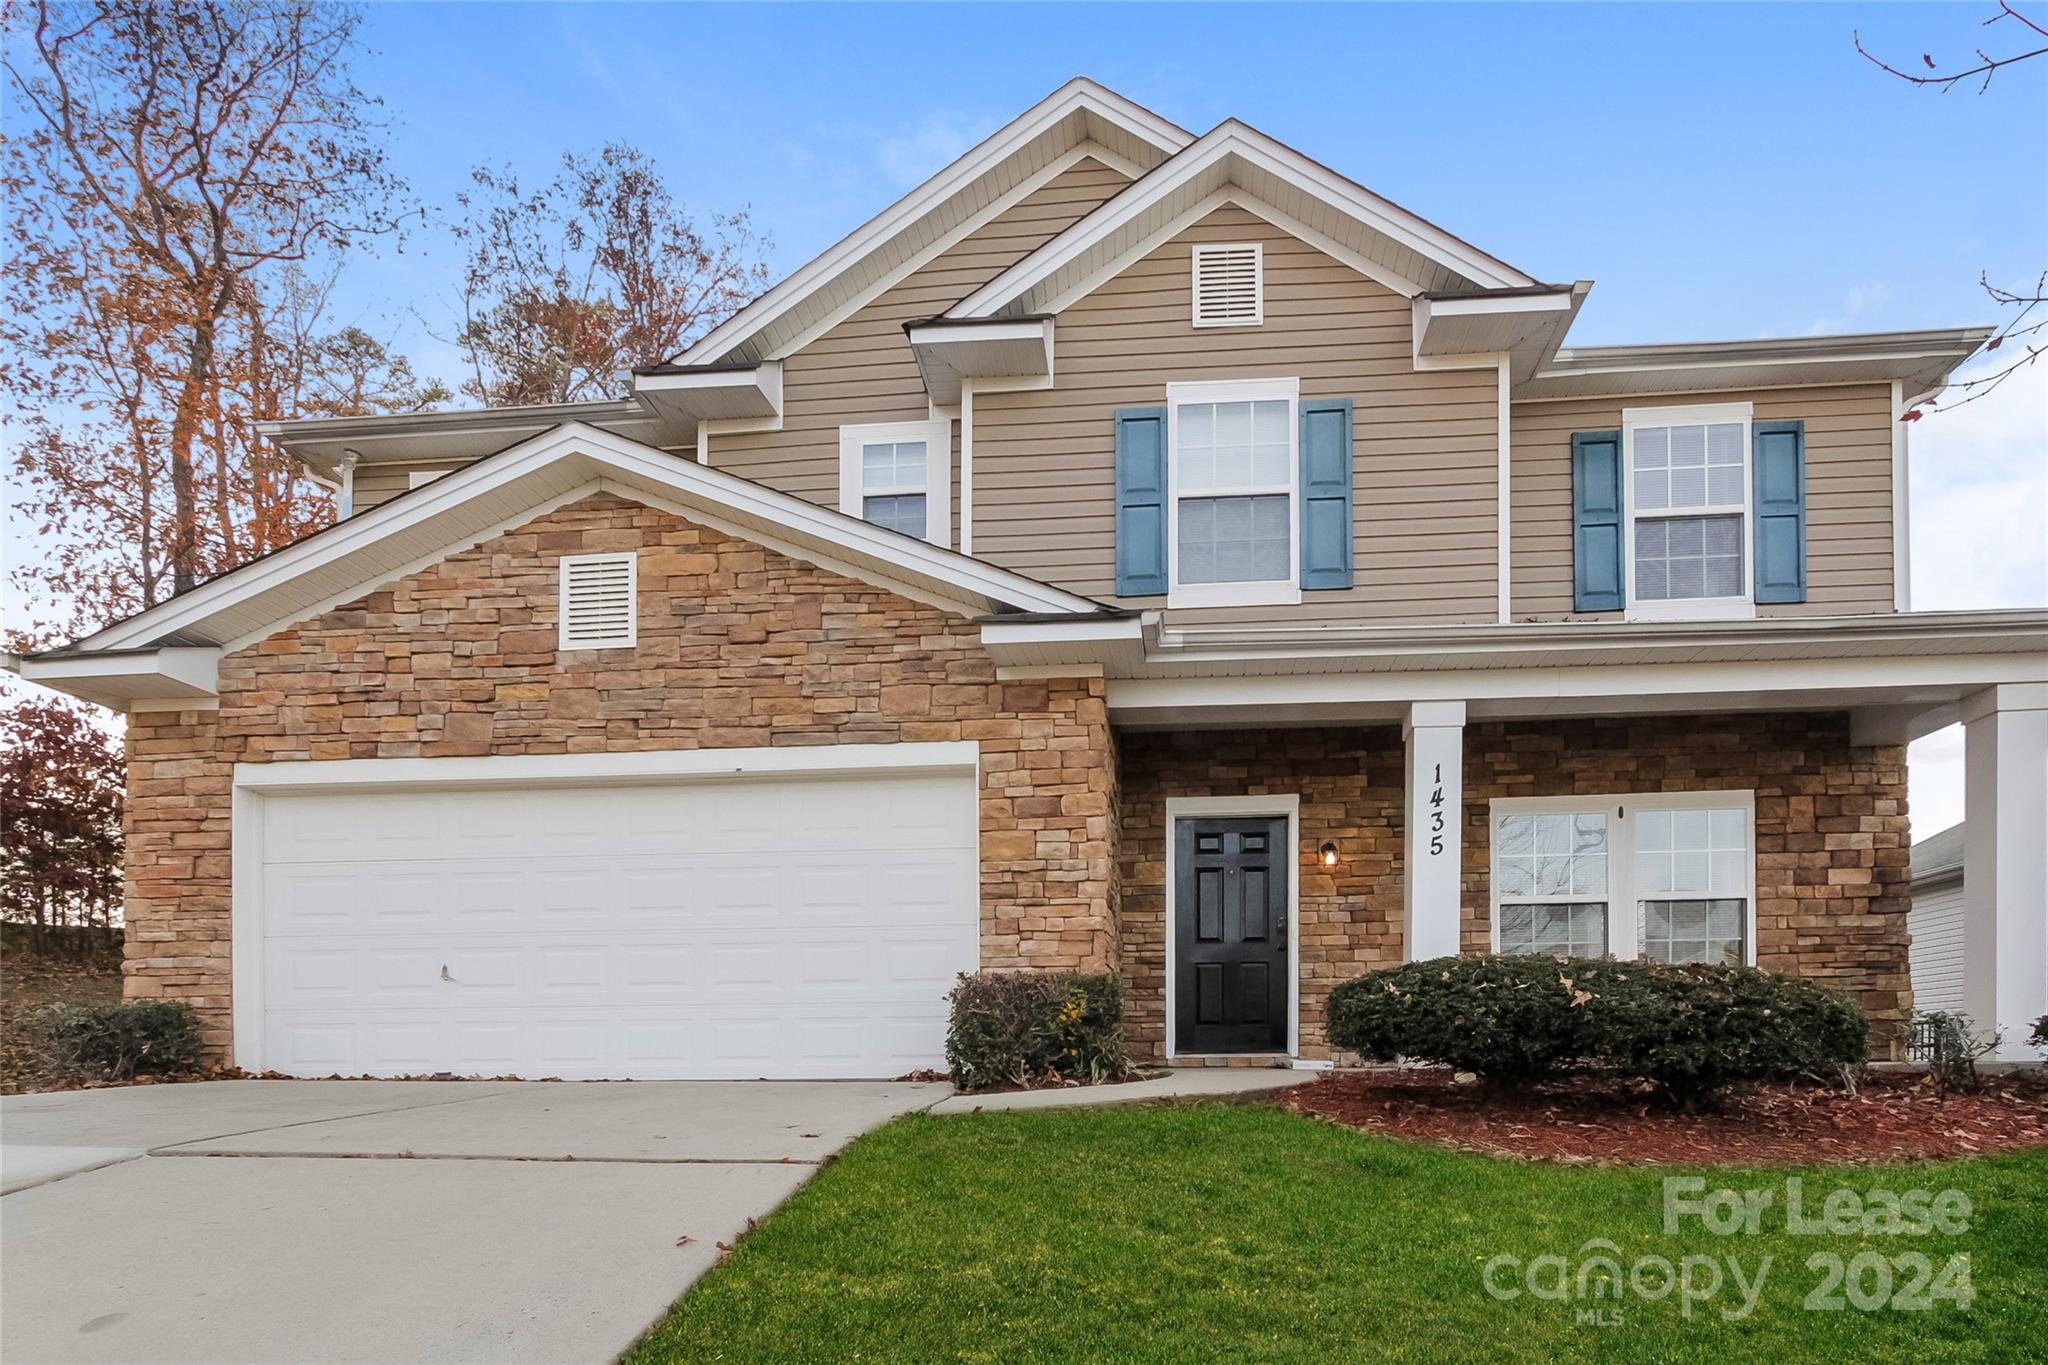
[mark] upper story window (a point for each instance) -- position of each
(894, 475)
(1233, 505)
(1687, 491)
(1670, 878)
(1230, 285)
(600, 601)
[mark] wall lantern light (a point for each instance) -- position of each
(1329, 852)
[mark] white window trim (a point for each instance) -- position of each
(937, 436)
(1739, 607)
(1207, 249)
(1274, 593)
(1287, 804)
(562, 566)
(1624, 914)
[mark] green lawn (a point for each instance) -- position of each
(1206, 1232)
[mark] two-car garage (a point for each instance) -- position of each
(737, 914)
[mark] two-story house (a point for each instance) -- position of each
(1129, 551)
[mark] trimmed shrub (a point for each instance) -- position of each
(1687, 1030)
(1027, 1028)
(2039, 1037)
(1512, 1020)
(118, 1042)
(1691, 1029)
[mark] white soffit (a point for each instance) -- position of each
(684, 397)
(419, 438)
(120, 680)
(997, 350)
(1526, 325)
(495, 495)
(1920, 361)
(1080, 111)
(1232, 155)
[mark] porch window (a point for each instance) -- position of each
(1552, 874)
(1232, 472)
(1669, 878)
(1688, 499)
(894, 475)
(1692, 874)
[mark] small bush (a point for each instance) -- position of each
(1510, 1019)
(1023, 1028)
(1690, 1030)
(1950, 1045)
(2039, 1037)
(1687, 1030)
(118, 1042)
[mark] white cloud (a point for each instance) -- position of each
(908, 158)
(1858, 305)
(1980, 539)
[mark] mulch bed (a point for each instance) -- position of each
(1892, 1117)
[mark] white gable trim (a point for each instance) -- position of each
(1060, 165)
(1076, 96)
(612, 463)
(1234, 140)
(1228, 198)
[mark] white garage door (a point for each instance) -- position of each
(723, 928)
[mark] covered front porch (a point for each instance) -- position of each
(1571, 787)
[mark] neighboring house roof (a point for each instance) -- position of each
(1939, 856)
(155, 653)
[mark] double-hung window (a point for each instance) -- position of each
(1234, 518)
(1687, 490)
(894, 475)
(1670, 878)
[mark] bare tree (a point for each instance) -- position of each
(198, 143)
(2024, 303)
(570, 286)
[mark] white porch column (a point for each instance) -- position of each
(1431, 899)
(2005, 862)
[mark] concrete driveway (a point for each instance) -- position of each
(389, 1221)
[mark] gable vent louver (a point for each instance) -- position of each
(599, 610)
(1230, 285)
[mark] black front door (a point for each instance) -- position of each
(1230, 934)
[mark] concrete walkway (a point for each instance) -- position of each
(1205, 1083)
(359, 1221)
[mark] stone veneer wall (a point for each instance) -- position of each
(1350, 783)
(738, 646)
(1831, 834)
(1831, 838)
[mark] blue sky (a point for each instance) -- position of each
(1720, 170)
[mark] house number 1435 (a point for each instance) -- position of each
(1436, 813)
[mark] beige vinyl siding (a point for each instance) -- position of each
(1848, 493)
(1936, 954)
(862, 370)
(1425, 445)
(380, 483)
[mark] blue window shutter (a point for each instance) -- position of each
(1140, 501)
(1778, 451)
(1326, 526)
(1596, 521)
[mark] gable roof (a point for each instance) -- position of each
(972, 188)
(1378, 236)
(504, 490)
